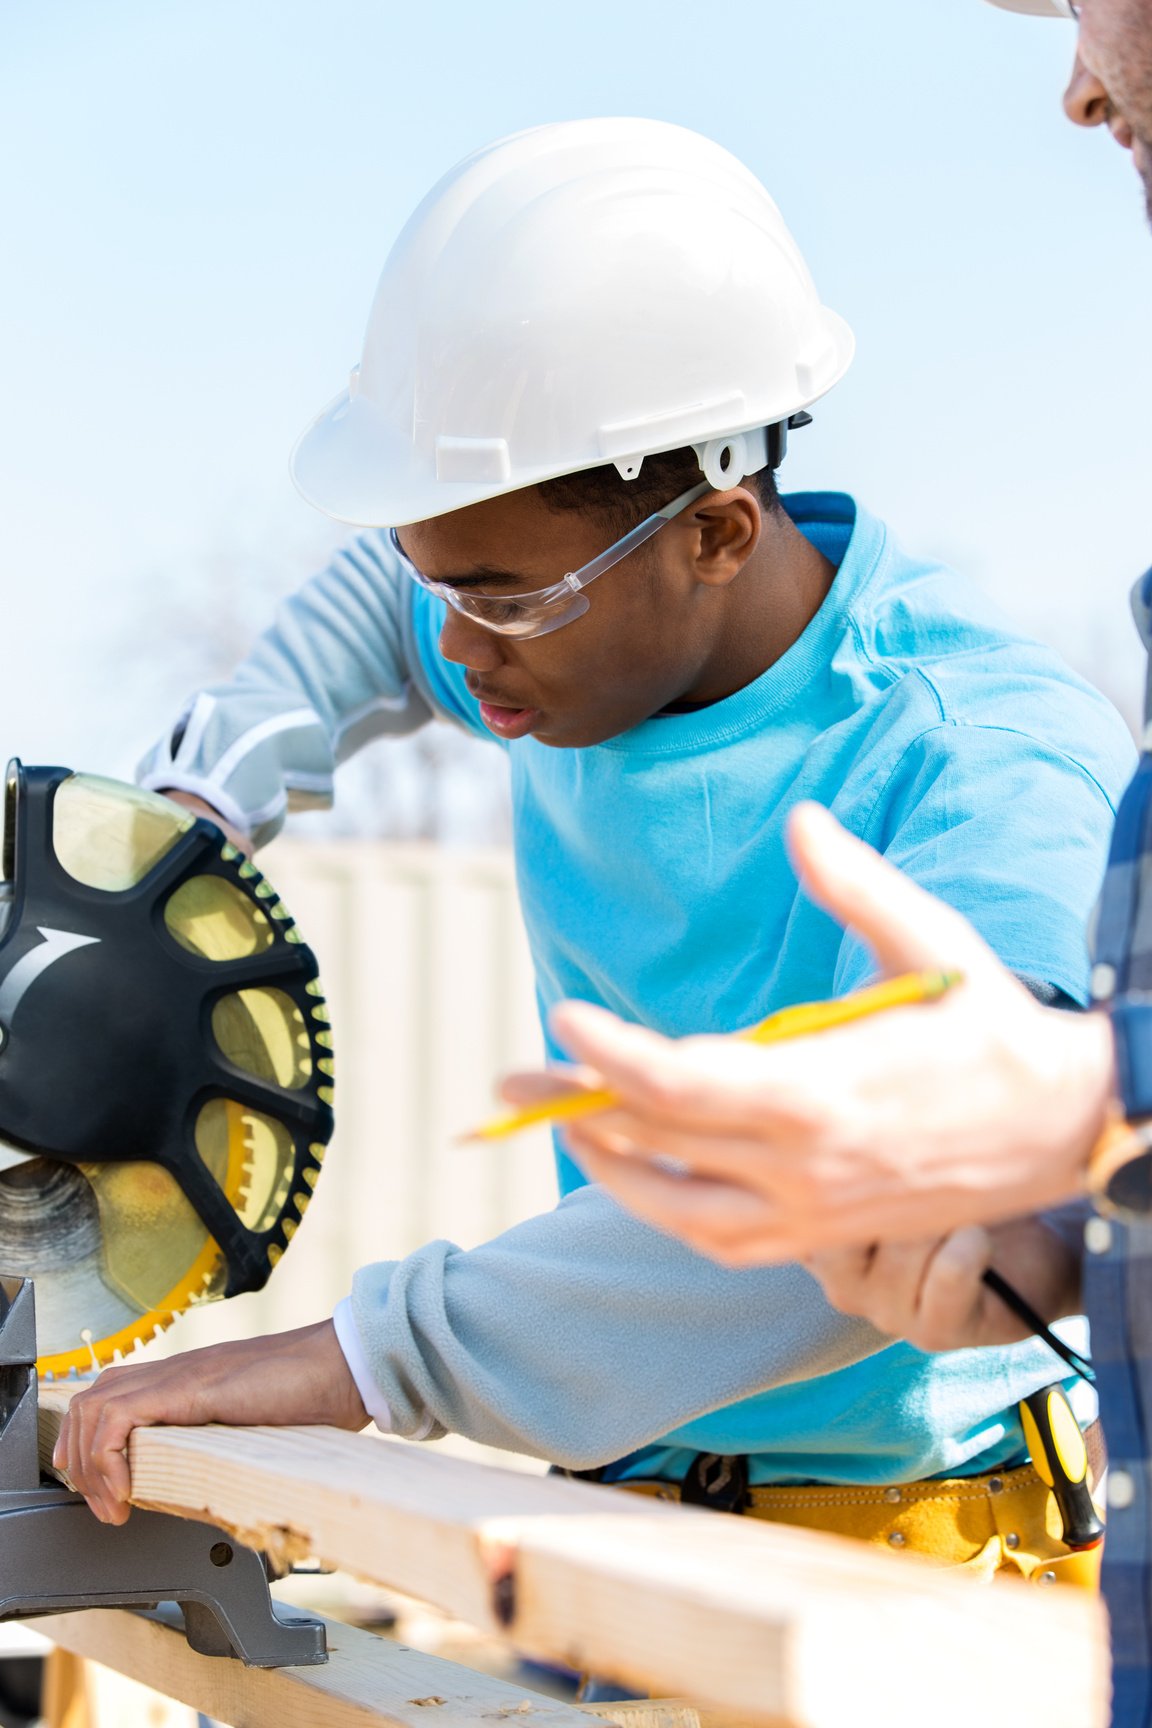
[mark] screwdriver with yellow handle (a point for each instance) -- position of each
(908, 990)
(1060, 1458)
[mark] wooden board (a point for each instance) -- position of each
(784, 1625)
(366, 1679)
(368, 1682)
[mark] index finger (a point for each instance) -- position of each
(723, 1084)
(534, 1086)
(92, 1452)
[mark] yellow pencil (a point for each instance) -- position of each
(806, 1017)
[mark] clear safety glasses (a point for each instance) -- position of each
(547, 609)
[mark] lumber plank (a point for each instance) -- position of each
(784, 1625)
(670, 1713)
(367, 1682)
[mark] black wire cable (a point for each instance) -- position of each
(1012, 1299)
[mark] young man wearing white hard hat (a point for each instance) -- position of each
(582, 361)
(788, 1164)
(984, 1106)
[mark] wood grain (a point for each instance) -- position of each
(368, 1682)
(783, 1625)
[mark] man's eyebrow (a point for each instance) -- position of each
(484, 577)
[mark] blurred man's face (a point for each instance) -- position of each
(1111, 81)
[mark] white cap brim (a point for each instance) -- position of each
(1035, 8)
(351, 465)
(355, 465)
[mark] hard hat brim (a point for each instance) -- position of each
(351, 464)
(1034, 8)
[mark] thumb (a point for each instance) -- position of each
(906, 928)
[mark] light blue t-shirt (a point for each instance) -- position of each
(654, 880)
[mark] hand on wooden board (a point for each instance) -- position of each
(291, 1378)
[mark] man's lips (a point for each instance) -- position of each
(508, 722)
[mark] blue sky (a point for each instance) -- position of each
(196, 200)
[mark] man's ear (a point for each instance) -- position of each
(728, 526)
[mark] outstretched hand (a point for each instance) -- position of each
(978, 1107)
(293, 1377)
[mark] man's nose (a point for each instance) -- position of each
(1086, 100)
(467, 643)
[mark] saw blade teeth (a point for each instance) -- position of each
(259, 1162)
(102, 1353)
(136, 1256)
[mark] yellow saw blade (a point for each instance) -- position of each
(116, 1252)
(116, 1249)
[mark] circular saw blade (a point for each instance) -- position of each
(115, 1251)
(116, 1248)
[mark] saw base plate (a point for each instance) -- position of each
(56, 1556)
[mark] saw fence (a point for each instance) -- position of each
(725, 1620)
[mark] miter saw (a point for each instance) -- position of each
(165, 1103)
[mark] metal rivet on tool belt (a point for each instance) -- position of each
(893, 1496)
(1097, 1235)
(1121, 1490)
(896, 1539)
(995, 1486)
(1046, 1578)
(1012, 1540)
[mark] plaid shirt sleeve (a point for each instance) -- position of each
(1118, 1257)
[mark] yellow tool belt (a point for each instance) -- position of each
(1002, 1521)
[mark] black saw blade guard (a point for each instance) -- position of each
(108, 1053)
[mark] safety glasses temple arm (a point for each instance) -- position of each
(636, 537)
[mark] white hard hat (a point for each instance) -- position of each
(1037, 8)
(588, 292)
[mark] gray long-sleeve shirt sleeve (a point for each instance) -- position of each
(583, 1334)
(336, 669)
